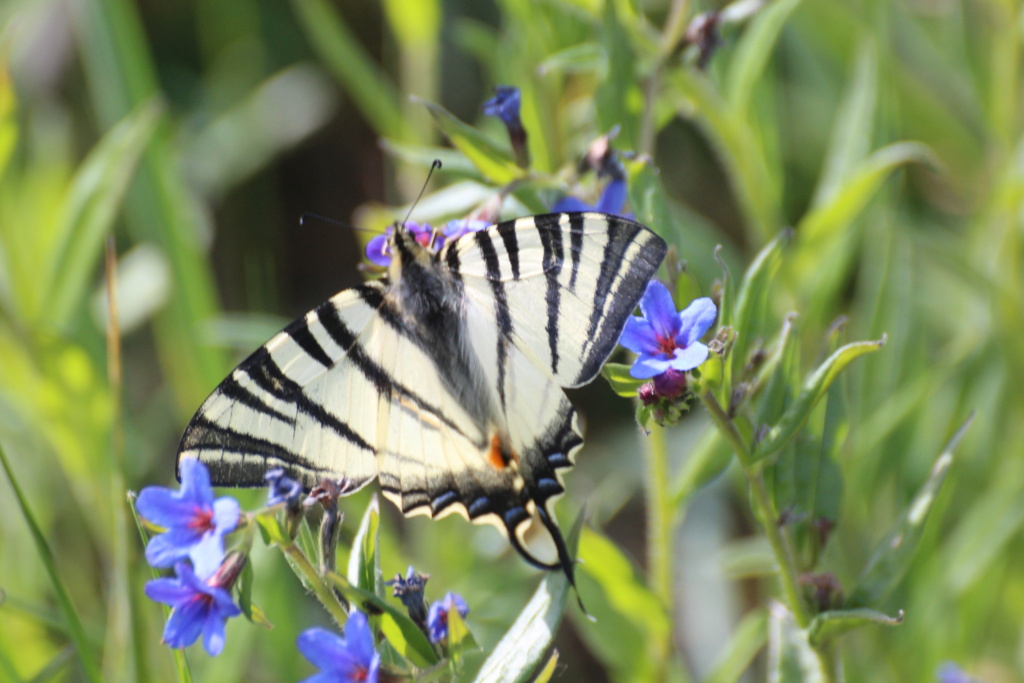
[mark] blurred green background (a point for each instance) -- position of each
(887, 133)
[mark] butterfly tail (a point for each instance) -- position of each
(565, 561)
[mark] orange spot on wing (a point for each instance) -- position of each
(498, 456)
(494, 455)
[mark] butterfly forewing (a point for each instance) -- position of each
(299, 402)
(571, 284)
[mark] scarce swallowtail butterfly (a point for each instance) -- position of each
(444, 378)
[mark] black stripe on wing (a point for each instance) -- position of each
(503, 318)
(551, 241)
(608, 317)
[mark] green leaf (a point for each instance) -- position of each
(580, 58)
(271, 530)
(92, 204)
(779, 375)
(630, 630)
(370, 87)
(251, 611)
(524, 644)
(752, 300)
(752, 52)
(617, 97)
(453, 162)
(549, 669)
(401, 631)
(815, 387)
(364, 560)
(621, 381)
(648, 201)
(8, 117)
(892, 556)
(460, 640)
(829, 625)
(853, 127)
(829, 219)
(791, 659)
(492, 161)
(748, 638)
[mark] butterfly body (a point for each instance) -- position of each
(444, 379)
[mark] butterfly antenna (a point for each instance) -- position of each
(433, 166)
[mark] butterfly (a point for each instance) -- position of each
(443, 379)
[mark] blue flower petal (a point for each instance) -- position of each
(213, 633)
(322, 647)
(195, 482)
(613, 198)
(163, 551)
(638, 336)
(167, 591)
(505, 104)
(164, 507)
(359, 637)
(207, 554)
(650, 365)
(659, 310)
(690, 357)
(696, 320)
(185, 623)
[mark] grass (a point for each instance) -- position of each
(885, 134)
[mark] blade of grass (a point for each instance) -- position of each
(90, 667)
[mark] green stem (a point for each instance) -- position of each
(321, 589)
(763, 510)
(659, 519)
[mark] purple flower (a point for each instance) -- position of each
(377, 247)
(195, 522)
(667, 340)
(437, 617)
(951, 673)
(612, 200)
(410, 591)
(282, 488)
(350, 659)
(197, 607)
(505, 105)
(455, 229)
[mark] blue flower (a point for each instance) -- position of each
(437, 617)
(350, 659)
(410, 591)
(195, 522)
(282, 488)
(667, 340)
(612, 200)
(505, 105)
(377, 247)
(198, 607)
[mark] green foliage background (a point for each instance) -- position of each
(886, 133)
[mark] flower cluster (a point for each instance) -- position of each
(667, 344)
(195, 526)
(377, 249)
